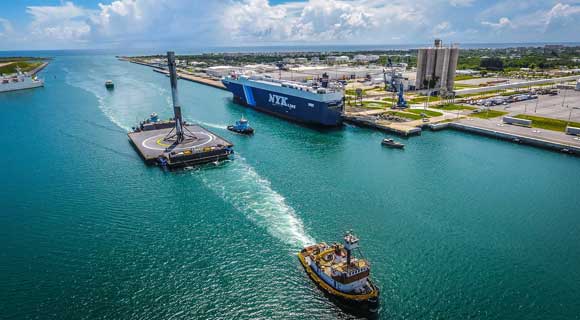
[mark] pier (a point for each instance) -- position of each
(391, 127)
(371, 119)
(194, 78)
(547, 139)
(180, 73)
(39, 68)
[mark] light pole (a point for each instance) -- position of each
(564, 99)
(570, 115)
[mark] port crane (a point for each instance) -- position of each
(395, 85)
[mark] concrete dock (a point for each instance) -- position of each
(553, 140)
(371, 119)
(39, 68)
(194, 78)
(391, 127)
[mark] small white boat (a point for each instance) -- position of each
(392, 143)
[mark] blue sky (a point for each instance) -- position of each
(58, 24)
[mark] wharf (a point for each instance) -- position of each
(200, 146)
(180, 73)
(39, 68)
(547, 139)
(371, 119)
(194, 78)
(392, 127)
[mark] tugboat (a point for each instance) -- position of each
(340, 275)
(109, 84)
(392, 143)
(242, 126)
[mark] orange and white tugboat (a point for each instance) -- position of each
(336, 271)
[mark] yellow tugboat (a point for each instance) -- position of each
(336, 271)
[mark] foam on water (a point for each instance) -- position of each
(240, 185)
(88, 84)
(210, 124)
(116, 110)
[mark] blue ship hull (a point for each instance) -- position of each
(287, 106)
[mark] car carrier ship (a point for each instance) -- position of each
(315, 103)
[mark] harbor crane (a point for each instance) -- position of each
(395, 85)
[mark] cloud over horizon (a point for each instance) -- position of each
(152, 23)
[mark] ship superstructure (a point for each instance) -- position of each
(335, 269)
(315, 103)
(19, 81)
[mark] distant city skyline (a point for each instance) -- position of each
(126, 24)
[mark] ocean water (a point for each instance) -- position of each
(456, 226)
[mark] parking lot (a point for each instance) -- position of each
(547, 106)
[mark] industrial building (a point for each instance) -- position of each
(437, 65)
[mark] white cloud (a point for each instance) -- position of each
(159, 20)
(191, 23)
(502, 23)
(562, 14)
(5, 27)
(461, 3)
(64, 22)
(442, 27)
(321, 21)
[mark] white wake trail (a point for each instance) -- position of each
(240, 185)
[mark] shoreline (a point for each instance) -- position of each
(182, 74)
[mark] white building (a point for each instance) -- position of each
(220, 71)
(365, 58)
(335, 59)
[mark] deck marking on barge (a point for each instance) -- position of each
(146, 143)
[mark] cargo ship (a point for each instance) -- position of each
(338, 273)
(314, 103)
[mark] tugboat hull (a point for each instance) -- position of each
(368, 303)
(246, 131)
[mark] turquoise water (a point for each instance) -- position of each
(456, 226)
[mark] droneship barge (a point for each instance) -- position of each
(339, 274)
(175, 143)
(319, 104)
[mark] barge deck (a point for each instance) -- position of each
(200, 146)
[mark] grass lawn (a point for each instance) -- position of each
(460, 77)
(452, 107)
(350, 92)
(24, 66)
(406, 115)
(488, 114)
(428, 113)
(422, 99)
(375, 104)
(483, 94)
(459, 86)
(547, 123)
